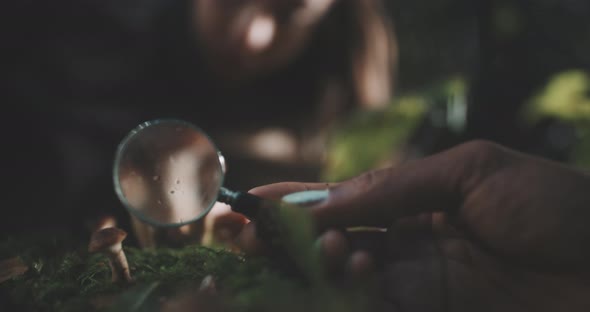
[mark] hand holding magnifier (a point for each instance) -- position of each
(168, 173)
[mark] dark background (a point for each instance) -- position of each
(78, 75)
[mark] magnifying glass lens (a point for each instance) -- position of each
(168, 173)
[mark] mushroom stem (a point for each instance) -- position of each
(208, 285)
(118, 263)
(108, 241)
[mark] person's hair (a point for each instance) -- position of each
(358, 37)
(354, 52)
(373, 52)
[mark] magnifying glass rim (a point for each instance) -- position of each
(118, 157)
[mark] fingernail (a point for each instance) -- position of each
(306, 198)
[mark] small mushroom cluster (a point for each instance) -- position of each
(108, 241)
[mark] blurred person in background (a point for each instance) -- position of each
(263, 78)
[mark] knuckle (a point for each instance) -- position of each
(480, 159)
(370, 179)
(481, 152)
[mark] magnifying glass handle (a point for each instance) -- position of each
(241, 202)
(255, 209)
(264, 212)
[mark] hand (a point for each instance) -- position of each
(478, 227)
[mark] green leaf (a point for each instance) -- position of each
(297, 232)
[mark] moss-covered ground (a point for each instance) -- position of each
(63, 276)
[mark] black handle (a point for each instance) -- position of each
(261, 211)
(265, 213)
(255, 209)
(247, 204)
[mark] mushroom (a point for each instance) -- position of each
(108, 241)
(208, 285)
(101, 222)
(11, 268)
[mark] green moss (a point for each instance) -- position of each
(64, 277)
(566, 96)
(57, 276)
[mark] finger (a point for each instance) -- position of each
(221, 216)
(278, 190)
(370, 199)
(375, 242)
(226, 229)
(360, 265)
(222, 225)
(249, 242)
(334, 250)
(418, 223)
(432, 222)
(377, 198)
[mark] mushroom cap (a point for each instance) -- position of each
(101, 222)
(105, 238)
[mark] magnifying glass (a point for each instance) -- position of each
(169, 173)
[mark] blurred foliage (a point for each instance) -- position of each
(566, 97)
(298, 237)
(369, 138)
(373, 139)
